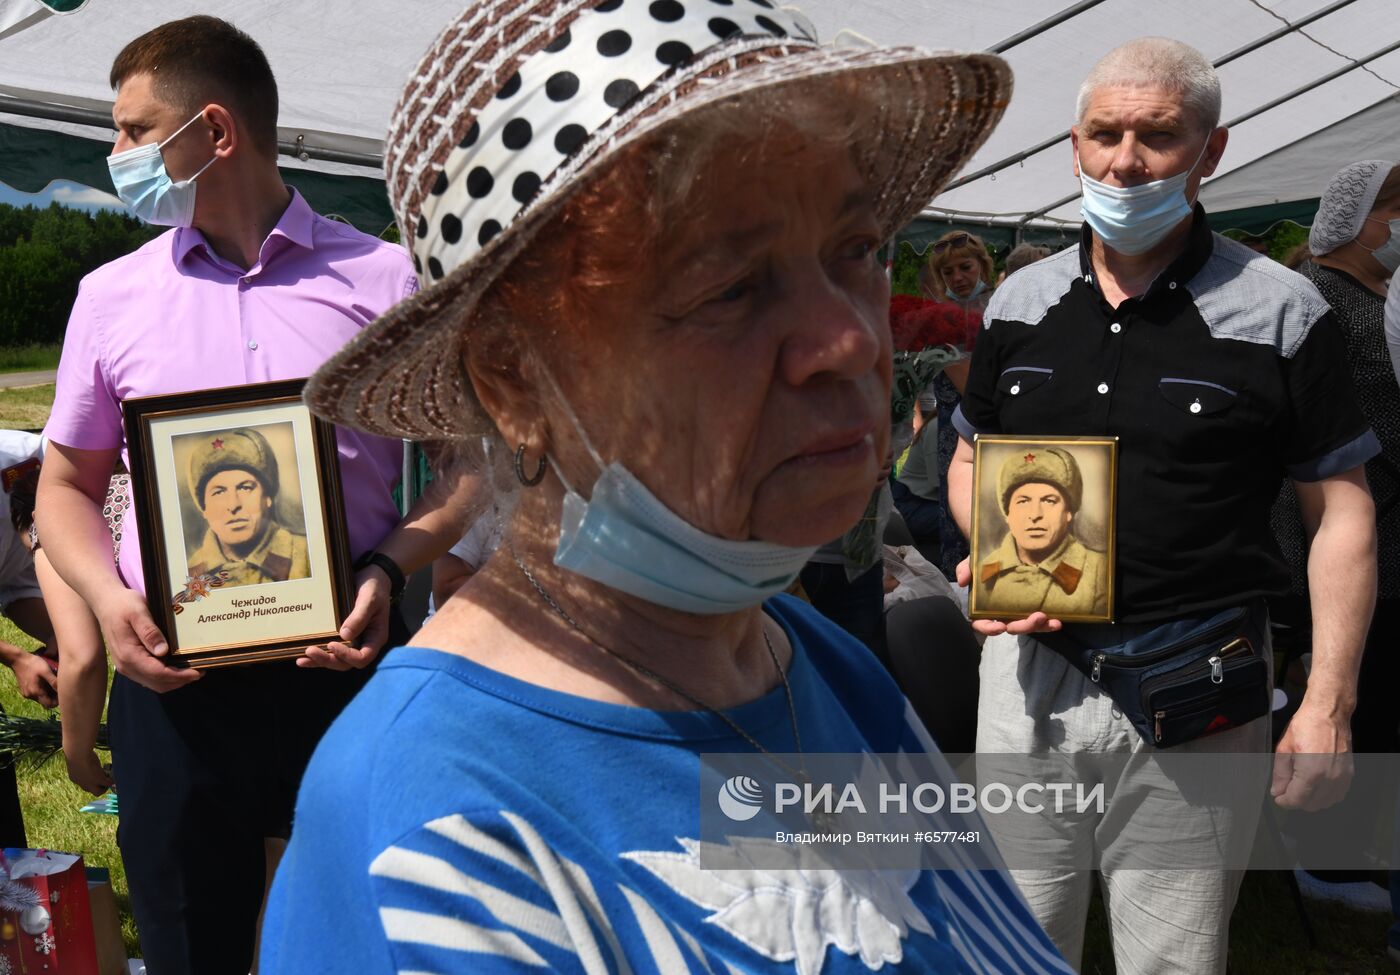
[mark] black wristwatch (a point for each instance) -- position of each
(391, 569)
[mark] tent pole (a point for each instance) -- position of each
(1329, 77)
(1288, 28)
(1055, 140)
(1040, 28)
(1333, 76)
(103, 120)
(406, 486)
(55, 113)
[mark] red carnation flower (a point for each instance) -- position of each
(917, 323)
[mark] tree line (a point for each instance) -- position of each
(44, 253)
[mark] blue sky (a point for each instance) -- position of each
(65, 192)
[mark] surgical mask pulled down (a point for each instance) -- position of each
(1134, 219)
(1388, 254)
(144, 184)
(977, 289)
(625, 537)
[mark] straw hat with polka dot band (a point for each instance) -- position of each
(517, 103)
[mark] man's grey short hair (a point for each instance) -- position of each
(1163, 63)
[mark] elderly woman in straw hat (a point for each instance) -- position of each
(647, 232)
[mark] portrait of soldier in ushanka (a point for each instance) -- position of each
(233, 480)
(1040, 564)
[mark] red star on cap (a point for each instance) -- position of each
(1030, 458)
(217, 443)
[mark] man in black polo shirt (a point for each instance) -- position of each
(1221, 372)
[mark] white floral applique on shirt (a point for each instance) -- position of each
(793, 915)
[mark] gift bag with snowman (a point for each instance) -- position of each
(45, 921)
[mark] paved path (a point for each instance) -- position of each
(9, 380)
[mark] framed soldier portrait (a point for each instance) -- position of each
(1043, 527)
(237, 499)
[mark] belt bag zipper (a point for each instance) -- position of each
(1235, 657)
(1224, 628)
(1159, 686)
(1215, 665)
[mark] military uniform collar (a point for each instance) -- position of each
(272, 556)
(1060, 565)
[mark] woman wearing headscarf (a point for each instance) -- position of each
(648, 237)
(1355, 250)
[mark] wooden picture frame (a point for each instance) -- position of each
(1043, 527)
(241, 519)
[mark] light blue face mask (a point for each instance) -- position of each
(1388, 254)
(625, 538)
(1134, 219)
(143, 183)
(977, 289)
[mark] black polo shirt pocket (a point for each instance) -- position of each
(1197, 397)
(1021, 380)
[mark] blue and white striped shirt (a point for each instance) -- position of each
(458, 820)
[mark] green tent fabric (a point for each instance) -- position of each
(923, 231)
(1253, 220)
(31, 158)
(1258, 220)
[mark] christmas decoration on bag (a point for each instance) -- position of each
(45, 920)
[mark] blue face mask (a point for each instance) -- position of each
(1134, 219)
(625, 538)
(143, 183)
(977, 289)
(1388, 254)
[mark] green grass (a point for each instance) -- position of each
(29, 358)
(51, 803)
(25, 408)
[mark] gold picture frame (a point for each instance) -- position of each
(1043, 527)
(238, 505)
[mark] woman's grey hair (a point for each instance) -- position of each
(1160, 62)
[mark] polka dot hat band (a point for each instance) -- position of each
(518, 103)
(557, 99)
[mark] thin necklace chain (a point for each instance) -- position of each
(650, 674)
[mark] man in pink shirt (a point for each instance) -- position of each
(250, 286)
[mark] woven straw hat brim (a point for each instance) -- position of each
(402, 376)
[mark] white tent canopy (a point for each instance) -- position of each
(340, 66)
(1299, 170)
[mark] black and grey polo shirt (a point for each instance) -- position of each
(1227, 375)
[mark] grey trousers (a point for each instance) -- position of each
(1164, 921)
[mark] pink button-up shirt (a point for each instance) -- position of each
(173, 317)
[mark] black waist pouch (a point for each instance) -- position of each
(1182, 680)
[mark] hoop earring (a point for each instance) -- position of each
(520, 468)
